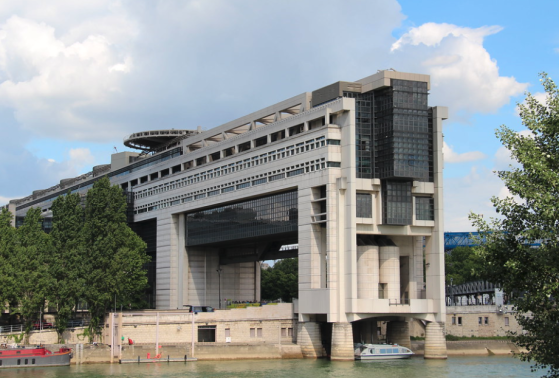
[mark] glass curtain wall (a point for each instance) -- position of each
(262, 216)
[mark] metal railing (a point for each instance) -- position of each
(18, 328)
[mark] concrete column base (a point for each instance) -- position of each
(342, 342)
(309, 339)
(435, 341)
(398, 333)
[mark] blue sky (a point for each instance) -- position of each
(77, 77)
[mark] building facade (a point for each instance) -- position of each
(347, 178)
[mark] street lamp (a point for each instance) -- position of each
(451, 293)
(219, 270)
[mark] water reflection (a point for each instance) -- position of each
(458, 367)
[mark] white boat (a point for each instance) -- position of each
(381, 352)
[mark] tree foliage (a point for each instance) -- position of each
(462, 265)
(531, 217)
(67, 258)
(281, 280)
(90, 255)
(8, 284)
(31, 268)
(115, 254)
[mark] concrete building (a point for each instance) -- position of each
(351, 173)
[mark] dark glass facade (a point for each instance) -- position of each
(274, 214)
(147, 230)
(364, 205)
(424, 208)
(397, 202)
(394, 142)
(401, 131)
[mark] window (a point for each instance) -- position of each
(459, 320)
(397, 202)
(286, 332)
(486, 320)
(334, 164)
(479, 320)
(334, 142)
(506, 321)
(227, 332)
(206, 334)
(454, 320)
(277, 177)
(424, 208)
(228, 189)
(364, 205)
(295, 172)
(243, 185)
(256, 332)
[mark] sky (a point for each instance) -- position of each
(77, 77)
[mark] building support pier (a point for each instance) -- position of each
(435, 341)
(309, 339)
(342, 342)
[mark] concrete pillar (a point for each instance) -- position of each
(435, 342)
(398, 333)
(342, 342)
(309, 339)
(367, 272)
(389, 272)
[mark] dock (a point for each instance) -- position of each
(139, 360)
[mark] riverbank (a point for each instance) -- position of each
(91, 354)
(472, 348)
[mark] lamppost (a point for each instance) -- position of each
(451, 293)
(219, 270)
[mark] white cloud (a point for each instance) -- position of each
(48, 83)
(464, 77)
(80, 157)
(450, 156)
(431, 34)
(471, 193)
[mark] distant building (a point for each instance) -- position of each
(350, 173)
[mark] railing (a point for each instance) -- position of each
(18, 328)
(396, 302)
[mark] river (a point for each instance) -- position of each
(455, 367)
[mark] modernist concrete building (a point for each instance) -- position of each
(350, 173)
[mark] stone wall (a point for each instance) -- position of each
(479, 321)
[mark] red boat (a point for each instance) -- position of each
(34, 356)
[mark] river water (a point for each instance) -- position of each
(455, 367)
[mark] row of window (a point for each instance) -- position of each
(311, 166)
(206, 334)
(237, 166)
(481, 320)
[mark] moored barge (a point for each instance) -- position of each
(34, 356)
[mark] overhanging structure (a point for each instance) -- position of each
(351, 173)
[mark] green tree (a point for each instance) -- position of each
(67, 258)
(115, 256)
(31, 267)
(462, 265)
(533, 216)
(7, 257)
(281, 280)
